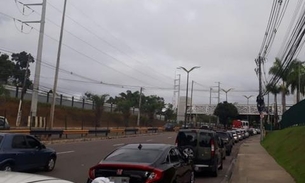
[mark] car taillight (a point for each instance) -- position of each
(92, 173)
(154, 176)
(212, 148)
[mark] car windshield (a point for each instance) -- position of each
(185, 138)
(134, 155)
(205, 139)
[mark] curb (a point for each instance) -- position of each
(229, 172)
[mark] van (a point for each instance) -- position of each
(204, 147)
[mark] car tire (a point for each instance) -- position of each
(7, 167)
(221, 166)
(215, 171)
(50, 165)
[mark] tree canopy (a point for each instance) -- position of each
(226, 111)
(14, 69)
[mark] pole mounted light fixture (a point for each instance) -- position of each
(226, 91)
(187, 88)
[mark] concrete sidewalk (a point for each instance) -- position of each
(255, 165)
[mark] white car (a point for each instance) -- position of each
(16, 177)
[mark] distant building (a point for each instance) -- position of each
(181, 108)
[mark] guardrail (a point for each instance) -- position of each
(85, 132)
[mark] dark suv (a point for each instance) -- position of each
(204, 146)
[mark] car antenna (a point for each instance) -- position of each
(140, 146)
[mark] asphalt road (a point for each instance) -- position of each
(75, 159)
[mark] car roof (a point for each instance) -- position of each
(148, 146)
(197, 130)
(16, 177)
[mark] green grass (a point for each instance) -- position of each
(288, 149)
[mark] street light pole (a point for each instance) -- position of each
(226, 91)
(248, 97)
(187, 88)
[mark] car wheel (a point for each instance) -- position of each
(192, 178)
(7, 167)
(50, 164)
(215, 170)
(189, 151)
(221, 166)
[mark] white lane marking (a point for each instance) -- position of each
(65, 152)
(169, 137)
(149, 140)
(117, 145)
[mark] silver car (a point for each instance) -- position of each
(4, 125)
(15, 177)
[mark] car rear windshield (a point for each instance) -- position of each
(222, 135)
(1, 137)
(205, 139)
(187, 138)
(134, 155)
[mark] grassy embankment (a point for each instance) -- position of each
(69, 116)
(288, 149)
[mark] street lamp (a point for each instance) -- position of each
(226, 91)
(248, 97)
(187, 88)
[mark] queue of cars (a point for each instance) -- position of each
(195, 151)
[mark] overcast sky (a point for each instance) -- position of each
(140, 43)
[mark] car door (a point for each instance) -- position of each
(39, 157)
(185, 167)
(21, 154)
(176, 164)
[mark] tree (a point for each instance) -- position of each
(6, 68)
(151, 105)
(225, 111)
(169, 112)
(21, 61)
(4, 93)
(278, 70)
(99, 101)
(274, 90)
(296, 70)
(124, 102)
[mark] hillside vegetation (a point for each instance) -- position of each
(72, 117)
(288, 149)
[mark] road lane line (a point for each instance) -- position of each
(65, 152)
(149, 140)
(169, 137)
(117, 145)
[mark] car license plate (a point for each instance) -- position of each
(119, 179)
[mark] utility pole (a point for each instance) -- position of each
(218, 92)
(210, 103)
(260, 98)
(57, 67)
(191, 109)
(19, 114)
(38, 58)
(139, 112)
(177, 90)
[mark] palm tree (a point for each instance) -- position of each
(275, 70)
(125, 101)
(274, 90)
(99, 101)
(296, 75)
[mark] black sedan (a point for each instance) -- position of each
(20, 152)
(144, 163)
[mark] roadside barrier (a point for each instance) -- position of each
(42, 132)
